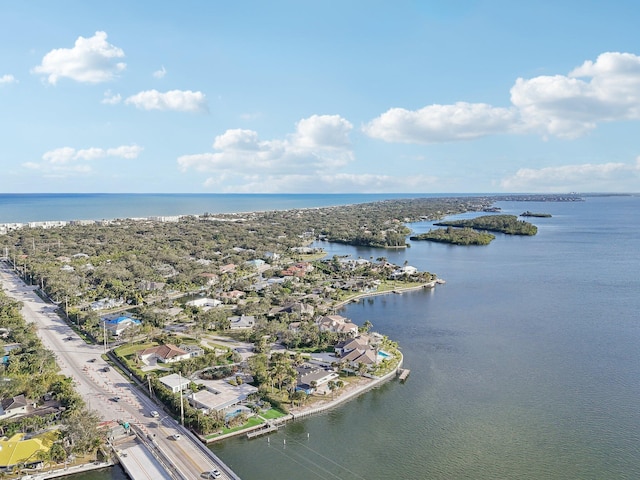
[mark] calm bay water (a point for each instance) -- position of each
(525, 365)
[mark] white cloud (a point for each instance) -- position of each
(160, 73)
(612, 177)
(565, 106)
(111, 98)
(440, 123)
(178, 100)
(7, 79)
(70, 160)
(320, 142)
(568, 106)
(91, 60)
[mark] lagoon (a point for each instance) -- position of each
(524, 365)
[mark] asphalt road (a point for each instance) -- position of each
(110, 393)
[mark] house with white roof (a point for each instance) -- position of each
(219, 395)
(175, 382)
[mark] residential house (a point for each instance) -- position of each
(192, 350)
(119, 324)
(22, 450)
(233, 295)
(312, 379)
(337, 324)
(229, 268)
(242, 322)
(299, 308)
(299, 269)
(175, 382)
(162, 353)
(204, 303)
(219, 395)
(17, 406)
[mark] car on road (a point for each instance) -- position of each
(215, 473)
(68, 338)
(175, 436)
(154, 414)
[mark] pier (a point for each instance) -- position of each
(403, 373)
(262, 431)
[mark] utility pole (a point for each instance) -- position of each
(181, 399)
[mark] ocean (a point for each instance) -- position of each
(524, 365)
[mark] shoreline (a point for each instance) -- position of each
(352, 391)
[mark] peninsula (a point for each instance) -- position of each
(199, 308)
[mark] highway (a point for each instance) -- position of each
(111, 394)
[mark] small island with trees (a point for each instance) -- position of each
(508, 224)
(533, 214)
(456, 236)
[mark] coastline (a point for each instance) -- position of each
(352, 391)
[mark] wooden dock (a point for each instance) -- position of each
(262, 431)
(403, 373)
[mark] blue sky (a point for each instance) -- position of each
(319, 97)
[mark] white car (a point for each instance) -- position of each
(212, 474)
(154, 414)
(175, 436)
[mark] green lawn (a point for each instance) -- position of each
(253, 421)
(272, 413)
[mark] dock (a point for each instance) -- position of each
(403, 373)
(262, 431)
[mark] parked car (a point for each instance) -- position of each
(175, 436)
(115, 399)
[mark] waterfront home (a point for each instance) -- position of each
(162, 353)
(311, 379)
(219, 395)
(337, 324)
(174, 382)
(22, 451)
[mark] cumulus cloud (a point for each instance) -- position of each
(565, 106)
(71, 160)
(319, 142)
(441, 123)
(91, 60)
(7, 79)
(160, 73)
(614, 177)
(178, 100)
(568, 106)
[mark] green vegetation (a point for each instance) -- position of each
(31, 370)
(532, 214)
(508, 224)
(464, 236)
